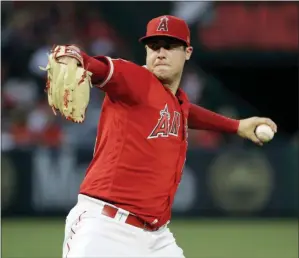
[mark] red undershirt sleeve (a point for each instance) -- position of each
(98, 68)
(203, 119)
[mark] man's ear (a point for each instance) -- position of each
(189, 51)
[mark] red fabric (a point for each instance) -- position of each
(201, 118)
(99, 69)
(141, 144)
(168, 25)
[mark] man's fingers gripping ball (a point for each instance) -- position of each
(264, 133)
(269, 122)
(68, 85)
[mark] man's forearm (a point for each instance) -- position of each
(98, 68)
(203, 119)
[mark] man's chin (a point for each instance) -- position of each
(162, 76)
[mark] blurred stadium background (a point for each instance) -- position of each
(236, 200)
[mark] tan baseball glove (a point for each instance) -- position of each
(68, 83)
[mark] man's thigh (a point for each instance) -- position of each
(94, 235)
(166, 246)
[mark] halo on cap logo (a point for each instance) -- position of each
(163, 25)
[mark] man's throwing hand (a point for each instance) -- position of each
(248, 126)
(68, 83)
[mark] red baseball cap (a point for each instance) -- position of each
(169, 26)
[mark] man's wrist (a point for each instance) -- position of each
(68, 51)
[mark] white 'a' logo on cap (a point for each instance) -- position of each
(163, 25)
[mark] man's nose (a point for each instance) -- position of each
(161, 52)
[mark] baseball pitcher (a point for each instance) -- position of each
(124, 203)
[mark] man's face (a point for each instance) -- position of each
(165, 57)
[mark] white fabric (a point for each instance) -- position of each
(89, 234)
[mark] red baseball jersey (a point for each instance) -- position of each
(141, 143)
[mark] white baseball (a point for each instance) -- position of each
(264, 133)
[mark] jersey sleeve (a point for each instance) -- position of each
(125, 81)
(204, 119)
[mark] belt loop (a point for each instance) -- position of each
(122, 215)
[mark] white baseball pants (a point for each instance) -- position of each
(89, 234)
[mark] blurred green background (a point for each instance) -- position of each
(42, 238)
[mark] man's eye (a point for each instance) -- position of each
(173, 45)
(155, 46)
(167, 46)
(158, 46)
(150, 46)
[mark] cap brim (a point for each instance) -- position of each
(145, 38)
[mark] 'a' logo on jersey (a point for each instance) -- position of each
(163, 25)
(163, 127)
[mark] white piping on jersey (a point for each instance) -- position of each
(111, 70)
